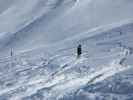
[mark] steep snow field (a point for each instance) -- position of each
(104, 71)
(44, 35)
(33, 23)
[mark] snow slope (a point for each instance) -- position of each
(44, 35)
(61, 76)
(33, 23)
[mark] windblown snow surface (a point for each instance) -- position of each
(44, 34)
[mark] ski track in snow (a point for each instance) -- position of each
(58, 71)
(59, 82)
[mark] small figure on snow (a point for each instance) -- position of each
(79, 50)
(11, 52)
(12, 59)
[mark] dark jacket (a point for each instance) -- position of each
(79, 50)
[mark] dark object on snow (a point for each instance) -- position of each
(11, 53)
(122, 61)
(79, 50)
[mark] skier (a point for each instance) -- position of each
(11, 60)
(79, 50)
(11, 53)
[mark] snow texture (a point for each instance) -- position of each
(38, 42)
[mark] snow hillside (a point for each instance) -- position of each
(29, 24)
(107, 57)
(43, 36)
